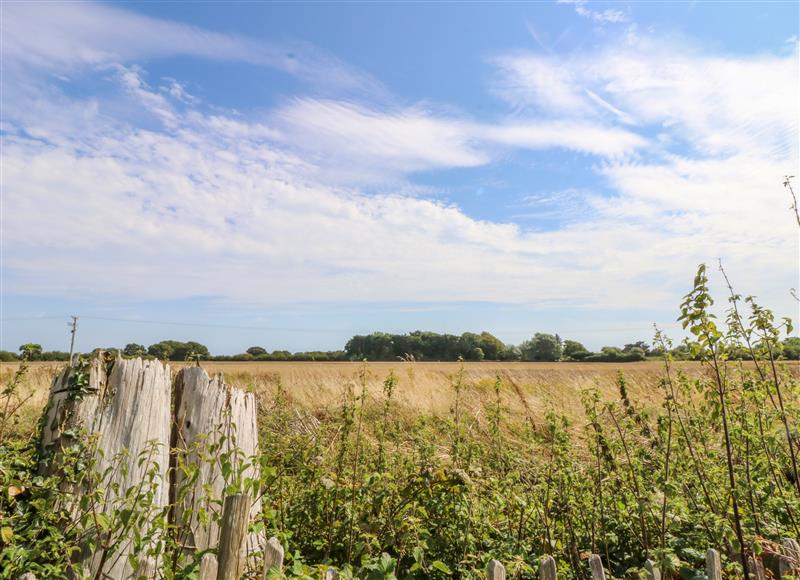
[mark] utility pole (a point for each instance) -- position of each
(72, 338)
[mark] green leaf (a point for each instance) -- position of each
(6, 534)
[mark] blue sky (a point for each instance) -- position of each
(291, 174)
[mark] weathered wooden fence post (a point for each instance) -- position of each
(713, 565)
(495, 571)
(273, 556)
(231, 554)
(208, 567)
(652, 570)
(123, 406)
(596, 566)
(547, 571)
(208, 412)
(331, 574)
(147, 569)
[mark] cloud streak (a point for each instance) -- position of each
(607, 16)
(67, 37)
(375, 145)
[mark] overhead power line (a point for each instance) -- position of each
(211, 325)
(64, 317)
(588, 329)
(175, 323)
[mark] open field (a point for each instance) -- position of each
(424, 388)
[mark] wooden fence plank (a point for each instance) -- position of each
(596, 566)
(713, 565)
(652, 570)
(147, 569)
(208, 411)
(547, 571)
(273, 556)
(231, 553)
(495, 571)
(208, 567)
(128, 410)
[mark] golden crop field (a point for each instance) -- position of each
(529, 391)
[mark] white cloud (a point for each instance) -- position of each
(609, 15)
(542, 82)
(357, 144)
(397, 142)
(718, 104)
(586, 137)
(65, 37)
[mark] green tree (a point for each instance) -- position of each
(542, 347)
(133, 349)
(491, 346)
(511, 352)
(190, 349)
(31, 350)
(614, 354)
(177, 350)
(640, 344)
(162, 350)
(574, 350)
(791, 348)
(55, 355)
(256, 350)
(469, 346)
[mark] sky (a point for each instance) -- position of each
(291, 174)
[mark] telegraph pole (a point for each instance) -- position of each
(72, 338)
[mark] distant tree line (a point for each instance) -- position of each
(34, 352)
(176, 350)
(428, 346)
(418, 345)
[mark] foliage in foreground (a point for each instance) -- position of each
(379, 496)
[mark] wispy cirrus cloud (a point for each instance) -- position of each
(67, 36)
(713, 102)
(378, 144)
(608, 15)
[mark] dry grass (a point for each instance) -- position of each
(529, 390)
(427, 387)
(423, 388)
(33, 391)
